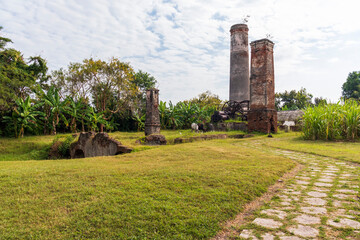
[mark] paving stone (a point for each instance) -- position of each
(314, 210)
(303, 178)
(248, 234)
(302, 182)
(294, 198)
(306, 219)
(315, 201)
(326, 180)
(347, 191)
(267, 236)
(304, 231)
(329, 174)
(321, 184)
(280, 234)
(354, 212)
(344, 182)
(337, 203)
(316, 194)
(344, 223)
(344, 196)
(320, 189)
(268, 223)
(290, 238)
(274, 212)
(285, 203)
(346, 175)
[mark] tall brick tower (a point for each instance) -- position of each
(239, 63)
(262, 116)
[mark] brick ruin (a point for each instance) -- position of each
(152, 121)
(262, 116)
(239, 63)
(259, 87)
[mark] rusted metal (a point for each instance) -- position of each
(232, 110)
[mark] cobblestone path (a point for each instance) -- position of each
(321, 202)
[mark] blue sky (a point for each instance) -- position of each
(185, 44)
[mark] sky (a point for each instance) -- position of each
(185, 44)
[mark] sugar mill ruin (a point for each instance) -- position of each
(252, 93)
(251, 98)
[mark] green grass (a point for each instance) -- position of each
(348, 151)
(36, 147)
(27, 148)
(183, 191)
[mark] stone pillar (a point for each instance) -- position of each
(262, 116)
(239, 63)
(152, 121)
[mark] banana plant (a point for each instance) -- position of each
(24, 116)
(57, 107)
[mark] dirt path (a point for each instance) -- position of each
(320, 202)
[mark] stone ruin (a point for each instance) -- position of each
(152, 120)
(260, 87)
(91, 144)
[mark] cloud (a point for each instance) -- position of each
(185, 44)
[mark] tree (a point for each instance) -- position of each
(206, 99)
(3, 40)
(24, 116)
(77, 111)
(293, 100)
(351, 88)
(18, 77)
(108, 85)
(57, 108)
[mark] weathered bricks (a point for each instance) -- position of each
(262, 116)
(152, 121)
(239, 63)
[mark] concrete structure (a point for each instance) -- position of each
(91, 144)
(239, 63)
(152, 121)
(262, 116)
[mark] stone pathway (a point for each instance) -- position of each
(321, 202)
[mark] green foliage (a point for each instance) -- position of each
(3, 40)
(23, 117)
(56, 108)
(293, 100)
(183, 114)
(64, 148)
(351, 88)
(18, 77)
(332, 121)
(144, 80)
(207, 99)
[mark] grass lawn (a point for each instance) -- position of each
(36, 147)
(348, 151)
(183, 191)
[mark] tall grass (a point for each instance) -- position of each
(332, 121)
